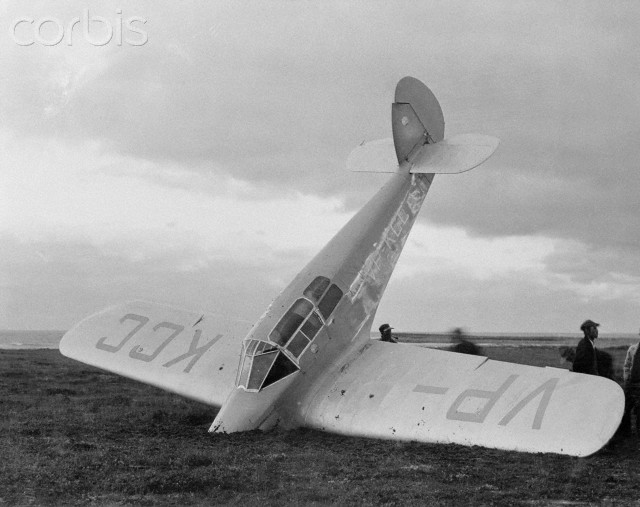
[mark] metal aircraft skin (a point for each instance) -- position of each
(310, 360)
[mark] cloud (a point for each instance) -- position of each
(447, 278)
(234, 119)
(52, 285)
(158, 206)
(514, 302)
(281, 93)
(604, 272)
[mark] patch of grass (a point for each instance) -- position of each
(74, 435)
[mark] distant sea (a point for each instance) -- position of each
(51, 339)
(442, 340)
(30, 339)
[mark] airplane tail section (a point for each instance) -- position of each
(416, 118)
(418, 139)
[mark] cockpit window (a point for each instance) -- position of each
(245, 362)
(317, 288)
(291, 321)
(252, 347)
(312, 326)
(265, 347)
(329, 301)
(298, 344)
(263, 364)
(303, 337)
(282, 368)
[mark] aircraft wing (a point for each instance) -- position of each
(184, 352)
(413, 393)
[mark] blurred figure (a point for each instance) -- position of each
(631, 376)
(385, 334)
(585, 360)
(568, 354)
(462, 345)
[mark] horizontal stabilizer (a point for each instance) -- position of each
(374, 157)
(192, 354)
(458, 154)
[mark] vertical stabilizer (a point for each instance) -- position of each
(416, 118)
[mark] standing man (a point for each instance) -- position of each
(631, 375)
(586, 360)
(385, 334)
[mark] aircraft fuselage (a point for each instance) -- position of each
(356, 266)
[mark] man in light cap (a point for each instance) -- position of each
(385, 334)
(586, 360)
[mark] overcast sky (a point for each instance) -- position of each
(198, 157)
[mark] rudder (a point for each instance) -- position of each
(416, 118)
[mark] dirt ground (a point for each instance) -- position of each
(74, 435)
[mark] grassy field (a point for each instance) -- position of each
(74, 435)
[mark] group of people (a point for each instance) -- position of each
(587, 361)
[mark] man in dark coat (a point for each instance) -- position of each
(586, 360)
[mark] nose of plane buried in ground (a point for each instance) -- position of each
(246, 410)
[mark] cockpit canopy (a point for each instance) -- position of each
(263, 364)
(266, 362)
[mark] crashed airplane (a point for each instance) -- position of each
(310, 360)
